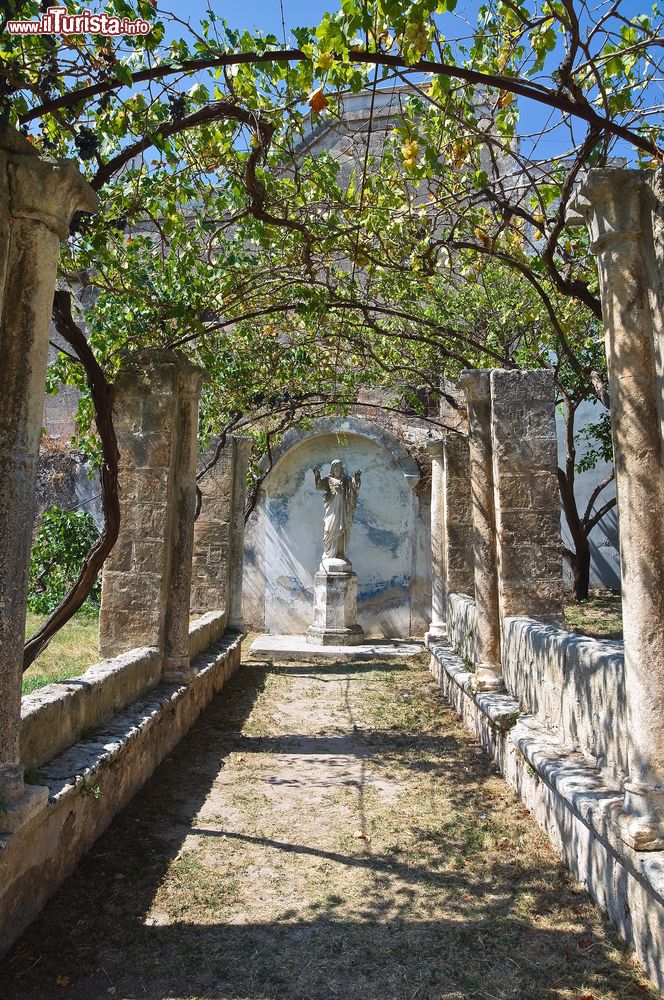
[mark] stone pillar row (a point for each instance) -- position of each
(495, 514)
(147, 579)
(37, 200)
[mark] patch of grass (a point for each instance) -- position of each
(69, 654)
(193, 888)
(600, 616)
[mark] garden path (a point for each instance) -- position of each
(325, 832)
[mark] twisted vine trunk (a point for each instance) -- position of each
(102, 398)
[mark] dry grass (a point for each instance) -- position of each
(600, 616)
(324, 833)
(69, 654)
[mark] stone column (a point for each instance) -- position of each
(37, 200)
(624, 211)
(176, 666)
(457, 517)
(488, 673)
(155, 413)
(526, 496)
(438, 626)
(236, 539)
(212, 532)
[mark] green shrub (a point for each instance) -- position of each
(58, 551)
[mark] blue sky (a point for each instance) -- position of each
(266, 15)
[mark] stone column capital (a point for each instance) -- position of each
(243, 445)
(47, 191)
(610, 203)
(434, 449)
(151, 368)
(476, 384)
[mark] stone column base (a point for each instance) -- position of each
(335, 610)
(21, 810)
(436, 632)
(640, 821)
(177, 670)
(487, 678)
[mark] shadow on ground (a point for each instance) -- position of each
(389, 939)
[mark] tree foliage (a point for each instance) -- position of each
(61, 544)
(299, 281)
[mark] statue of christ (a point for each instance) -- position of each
(340, 500)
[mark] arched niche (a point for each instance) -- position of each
(388, 543)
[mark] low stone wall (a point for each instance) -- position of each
(206, 630)
(461, 625)
(92, 780)
(570, 683)
(574, 685)
(57, 715)
(572, 801)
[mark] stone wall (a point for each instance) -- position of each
(572, 801)
(135, 723)
(389, 546)
(572, 684)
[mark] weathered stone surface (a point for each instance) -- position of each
(335, 610)
(146, 584)
(571, 683)
(236, 532)
(526, 496)
(58, 715)
(623, 210)
(217, 572)
(37, 200)
(118, 759)
(438, 625)
(205, 631)
(477, 387)
(574, 804)
(212, 532)
(457, 516)
(462, 625)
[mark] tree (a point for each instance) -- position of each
(213, 120)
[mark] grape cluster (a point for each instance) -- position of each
(418, 36)
(80, 222)
(178, 106)
(6, 90)
(259, 399)
(86, 143)
(410, 152)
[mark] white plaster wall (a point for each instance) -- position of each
(284, 538)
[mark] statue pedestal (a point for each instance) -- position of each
(335, 606)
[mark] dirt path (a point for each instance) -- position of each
(323, 832)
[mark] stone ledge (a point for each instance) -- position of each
(93, 780)
(500, 709)
(205, 630)
(58, 714)
(576, 805)
(75, 767)
(296, 647)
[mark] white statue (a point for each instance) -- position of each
(340, 501)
